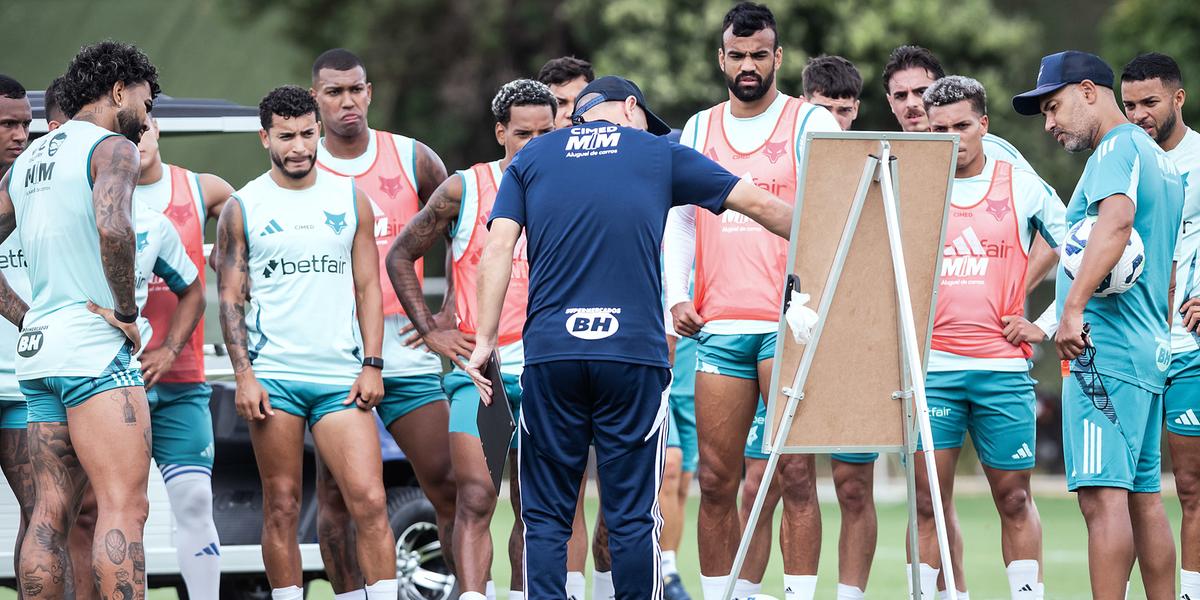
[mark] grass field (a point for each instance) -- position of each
(1064, 536)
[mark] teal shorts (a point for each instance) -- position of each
(856, 458)
(996, 407)
(682, 401)
(309, 401)
(402, 395)
(464, 401)
(48, 398)
(1181, 396)
(1101, 453)
(755, 440)
(182, 426)
(13, 413)
(734, 355)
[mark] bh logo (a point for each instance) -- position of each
(592, 323)
(29, 343)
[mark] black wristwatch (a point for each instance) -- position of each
(129, 318)
(373, 361)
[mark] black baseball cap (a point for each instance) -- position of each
(616, 89)
(1059, 70)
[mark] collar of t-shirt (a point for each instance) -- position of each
(746, 134)
(349, 166)
(158, 194)
(968, 191)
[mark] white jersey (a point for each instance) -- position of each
(301, 322)
(12, 264)
(51, 188)
(160, 254)
(1187, 266)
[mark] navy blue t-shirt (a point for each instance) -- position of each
(593, 200)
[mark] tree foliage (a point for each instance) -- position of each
(1167, 26)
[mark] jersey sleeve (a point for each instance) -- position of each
(1115, 172)
(510, 198)
(690, 136)
(173, 265)
(1041, 208)
(818, 118)
(679, 254)
(696, 179)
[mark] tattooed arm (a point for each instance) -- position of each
(116, 166)
(11, 305)
(367, 390)
(233, 290)
(422, 231)
(431, 174)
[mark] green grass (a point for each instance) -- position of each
(1064, 539)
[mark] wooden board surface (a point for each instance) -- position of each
(848, 396)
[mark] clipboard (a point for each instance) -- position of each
(495, 423)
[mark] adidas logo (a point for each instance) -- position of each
(1187, 418)
(272, 227)
(209, 550)
(1023, 452)
(966, 244)
(1026, 588)
(704, 367)
(1093, 448)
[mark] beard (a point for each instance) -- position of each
(129, 125)
(1074, 142)
(1164, 131)
(279, 162)
(750, 94)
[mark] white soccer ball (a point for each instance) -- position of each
(1123, 275)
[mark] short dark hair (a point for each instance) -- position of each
(289, 101)
(908, 57)
(1153, 65)
(558, 71)
(521, 92)
(748, 18)
(953, 89)
(50, 103)
(11, 88)
(832, 77)
(338, 59)
(97, 68)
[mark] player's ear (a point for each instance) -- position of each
(264, 137)
(117, 93)
(1180, 97)
(721, 57)
(778, 55)
(983, 123)
(368, 93)
(501, 133)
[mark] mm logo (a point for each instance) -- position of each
(29, 343)
(605, 137)
(592, 323)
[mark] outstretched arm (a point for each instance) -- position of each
(495, 270)
(367, 390)
(11, 305)
(762, 206)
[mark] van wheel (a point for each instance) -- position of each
(420, 567)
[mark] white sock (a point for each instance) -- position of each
(1022, 579)
(197, 548)
(929, 577)
(799, 587)
(358, 594)
(471, 596)
(712, 588)
(489, 590)
(944, 594)
(602, 586)
(744, 588)
(849, 592)
(290, 592)
(1189, 585)
(384, 589)
(576, 586)
(516, 595)
(669, 567)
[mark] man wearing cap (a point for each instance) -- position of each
(1116, 368)
(592, 201)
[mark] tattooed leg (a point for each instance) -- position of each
(109, 433)
(58, 480)
(79, 544)
(335, 532)
(14, 460)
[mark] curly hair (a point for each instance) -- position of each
(521, 92)
(954, 89)
(288, 101)
(748, 18)
(97, 68)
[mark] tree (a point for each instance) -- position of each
(1167, 26)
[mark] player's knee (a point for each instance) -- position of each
(854, 496)
(281, 509)
(368, 503)
(1187, 486)
(799, 482)
(194, 506)
(476, 502)
(1013, 503)
(717, 486)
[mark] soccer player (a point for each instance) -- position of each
(566, 76)
(88, 418)
(1153, 95)
(978, 372)
(55, 116)
(458, 209)
(758, 134)
(1112, 394)
(173, 363)
(15, 117)
(296, 244)
(399, 174)
(835, 84)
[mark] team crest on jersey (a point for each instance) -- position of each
(774, 150)
(55, 143)
(998, 208)
(391, 185)
(143, 240)
(335, 222)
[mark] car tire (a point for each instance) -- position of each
(245, 587)
(420, 567)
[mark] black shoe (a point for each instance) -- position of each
(673, 588)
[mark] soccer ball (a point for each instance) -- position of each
(1123, 275)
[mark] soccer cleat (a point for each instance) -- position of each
(673, 588)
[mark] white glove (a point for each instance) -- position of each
(800, 318)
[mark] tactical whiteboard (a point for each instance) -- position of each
(849, 401)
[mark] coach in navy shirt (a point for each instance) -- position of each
(593, 201)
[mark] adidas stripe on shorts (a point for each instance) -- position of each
(1181, 396)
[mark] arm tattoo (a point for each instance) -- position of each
(12, 307)
(233, 283)
(419, 235)
(112, 197)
